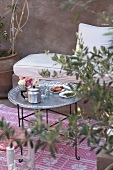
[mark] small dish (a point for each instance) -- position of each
(57, 88)
(67, 94)
(66, 87)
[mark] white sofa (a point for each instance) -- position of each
(32, 64)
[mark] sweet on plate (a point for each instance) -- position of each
(56, 89)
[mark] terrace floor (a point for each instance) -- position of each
(6, 102)
(65, 159)
(108, 159)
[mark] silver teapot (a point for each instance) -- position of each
(33, 95)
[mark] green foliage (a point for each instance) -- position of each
(46, 52)
(76, 3)
(46, 138)
(4, 53)
(45, 73)
(90, 68)
(13, 7)
(106, 18)
(54, 74)
(77, 6)
(2, 32)
(8, 134)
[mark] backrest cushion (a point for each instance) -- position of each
(94, 36)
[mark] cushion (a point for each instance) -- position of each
(31, 65)
(94, 36)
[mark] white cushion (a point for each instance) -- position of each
(31, 65)
(94, 36)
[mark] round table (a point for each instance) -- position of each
(53, 101)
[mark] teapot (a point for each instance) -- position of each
(34, 95)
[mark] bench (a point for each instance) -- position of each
(31, 65)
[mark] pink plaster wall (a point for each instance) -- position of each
(51, 28)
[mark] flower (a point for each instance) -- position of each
(35, 82)
(27, 81)
(22, 82)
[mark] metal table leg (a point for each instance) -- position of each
(18, 114)
(70, 108)
(77, 157)
(47, 116)
(22, 116)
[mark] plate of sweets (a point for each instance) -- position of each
(59, 88)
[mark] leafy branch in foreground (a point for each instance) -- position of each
(94, 70)
(46, 138)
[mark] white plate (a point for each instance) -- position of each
(62, 94)
(65, 88)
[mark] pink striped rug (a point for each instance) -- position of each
(65, 159)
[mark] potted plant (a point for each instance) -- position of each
(9, 56)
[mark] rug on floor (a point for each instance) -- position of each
(65, 159)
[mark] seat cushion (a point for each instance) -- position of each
(91, 36)
(31, 65)
(94, 36)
